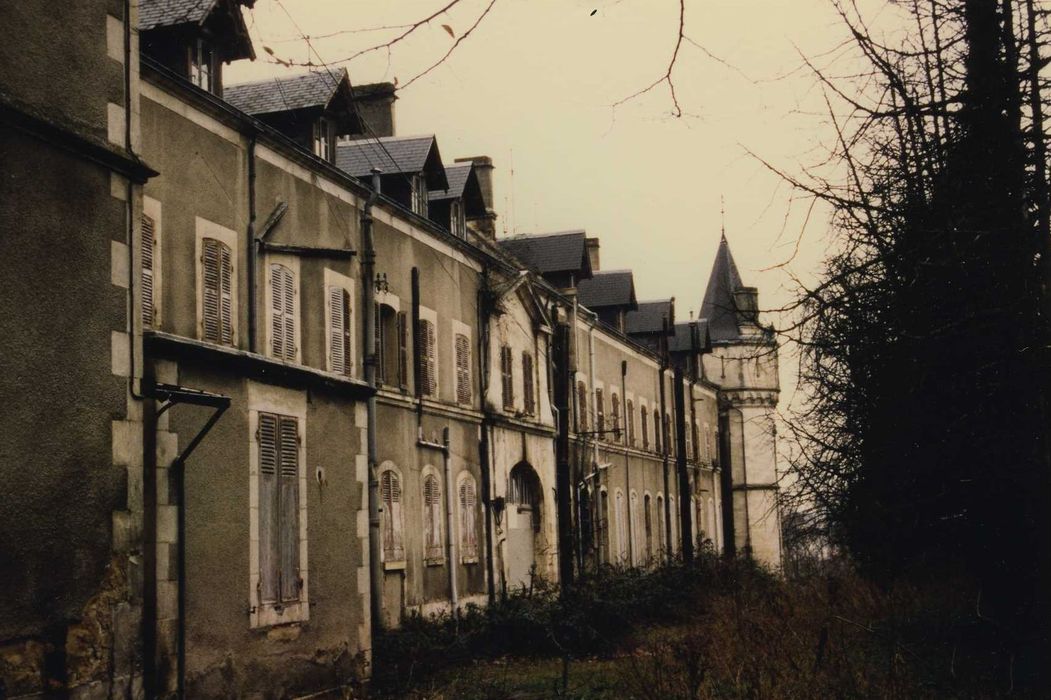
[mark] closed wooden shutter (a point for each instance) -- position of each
(426, 358)
(216, 292)
(507, 378)
(528, 384)
(381, 348)
(403, 349)
(148, 241)
(582, 406)
(630, 420)
(643, 418)
(656, 431)
(282, 313)
(432, 518)
(390, 492)
(269, 534)
(337, 346)
(600, 414)
(615, 416)
(289, 497)
(463, 369)
(468, 532)
(669, 446)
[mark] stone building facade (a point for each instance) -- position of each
(311, 392)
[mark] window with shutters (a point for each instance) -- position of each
(283, 316)
(709, 450)
(462, 348)
(432, 519)
(391, 520)
(426, 356)
(669, 445)
(614, 417)
(528, 384)
(582, 407)
(629, 420)
(695, 451)
(403, 349)
(656, 430)
(689, 442)
(660, 523)
(216, 298)
(647, 515)
(339, 319)
(468, 500)
(600, 415)
(507, 378)
(645, 416)
(149, 249)
(280, 594)
(634, 530)
(621, 518)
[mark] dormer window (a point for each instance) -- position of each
(457, 220)
(202, 65)
(419, 194)
(325, 139)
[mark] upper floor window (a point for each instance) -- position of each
(629, 419)
(614, 414)
(432, 520)
(645, 429)
(507, 377)
(202, 65)
(696, 451)
(392, 346)
(656, 431)
(457, 220)
(528, 384)
(324, 139)
(217, 271)
(282, 313)
(463, 368)
(340, 346)
(419, 194)
(582, 407)
(669, 446)
(427, 357)
(390, 494)
(600, 413)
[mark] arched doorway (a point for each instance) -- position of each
(523, 523)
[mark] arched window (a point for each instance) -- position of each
(432, 519)
(523, 490)
(712, 533)
(621, 517)
(629, 420)
(600, 414)
(614, 413)
(656, 431)
(647, 512)
(645, 416)
(660, 523)
(603, 527)
(390, 493)
(633, 506)
(468, 494)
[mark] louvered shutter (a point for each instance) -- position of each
(282, 313)
(528, 387)
(267, 438)
(507, 377)
(615, 416)
(432, 518)
(381, 348)
(148, 240)
(403, 349)
(289, 500)
(468, 537)
(390, 492)
(226, 273)
(210, 290)
(600, 413)
(463, 369)
(432, 359)
(346, 332)
(629, 420)
(336, 344)
(643, 418)
(582, 406)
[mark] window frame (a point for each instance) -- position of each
(335, 280)
(202, 64)
(457, 218)
(208, 229)
(290, 263)
(324, 139)
(419, 202)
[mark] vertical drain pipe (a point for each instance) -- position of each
(450, 528)
(368, 274)
(252, 245)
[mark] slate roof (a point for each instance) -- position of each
(680, 339)
(457, 176)
(718, 306)
(608, 288)
(393, 155)
(285, 94)
(167, 13)
(564, 251)
(648, 317)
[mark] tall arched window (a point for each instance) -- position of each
(635, 549)
(629, 420)
(660, 524)
(647, 514)
(390, 493)
(645, 417)
(432, 519)
(622, 536)
(468, 494)
(582, 407)
(615, 416)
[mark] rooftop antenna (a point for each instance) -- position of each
(722, 213)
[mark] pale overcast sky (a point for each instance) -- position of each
(533, 86)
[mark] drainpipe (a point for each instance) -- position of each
(483, 442)
(664, 446)
(252, 246)
(563, 481)
(680, 463)
(368, 275)
(622, 425)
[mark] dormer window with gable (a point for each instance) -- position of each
(419, 194)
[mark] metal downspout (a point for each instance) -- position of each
(670, 553)
(252, 246)
(685, 494)
(368, 265)
(485, 463)
(450, 529)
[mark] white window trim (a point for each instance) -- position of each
(387, 299)
(467, 558)
(263, 398)
(152, 208)
(335, 279)
(432, 316)
(292, 263)
(208, 229)
(459, 327)
(430, 470)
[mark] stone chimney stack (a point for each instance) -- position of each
(483, 170)
(746, 305)
(374, 104)
(592, 248)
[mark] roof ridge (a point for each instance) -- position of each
(275, 78)
(552, 234)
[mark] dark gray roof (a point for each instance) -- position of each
(285, 94)
(608, 288)
(392, 155)
(718, 306)
(565, 251)
(167, 13)
(649, 317)
(680, 339)
(457, 176)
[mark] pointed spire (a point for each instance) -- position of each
(722, 213)
(719, 306)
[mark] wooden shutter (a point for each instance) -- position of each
(282, 313)
(656, 430)
(528, 387)
(210, 289)
(426, 357)
(148, 240)
(337, 346)
(390, 492)
(630, 420)
(269, 536)
(432, 523)
(615, 416)
(643, 418)
(226, 318)
(288, 480)
(403, 349)
(600, 416)
(432, 359)
(468, 533)
(507, 377)
(582, 406)
(463, 369)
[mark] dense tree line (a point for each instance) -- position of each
(924, 446)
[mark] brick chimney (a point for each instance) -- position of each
(483, 170)
(375, 106)
(592, 245)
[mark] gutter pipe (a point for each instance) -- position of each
(368, 267)
(450, 519)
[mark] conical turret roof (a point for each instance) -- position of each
(718, 306)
